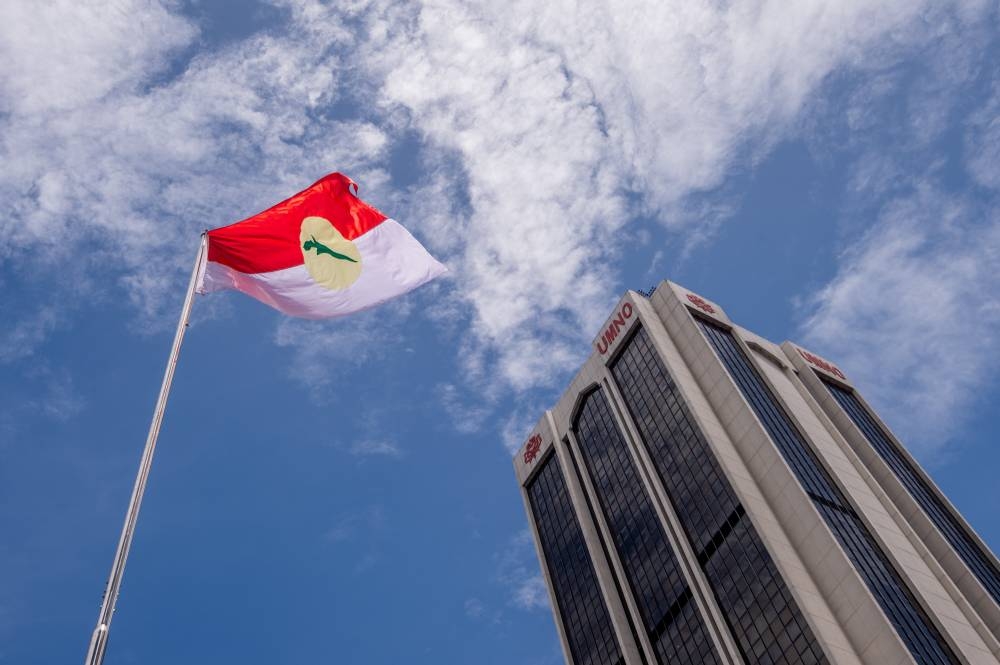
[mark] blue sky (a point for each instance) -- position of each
(342, 491)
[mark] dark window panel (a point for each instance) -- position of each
(668, 610)
(756, 603)
(585, 617)
(952, 530)
(921, 637)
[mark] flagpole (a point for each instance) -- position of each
(99, 641)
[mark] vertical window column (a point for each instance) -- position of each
(584, 615)
(937, 512)
(669, 613)
(920, 636)
(764, 619)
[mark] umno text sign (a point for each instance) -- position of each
(610, 334)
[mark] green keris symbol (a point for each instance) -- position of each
(320, 248)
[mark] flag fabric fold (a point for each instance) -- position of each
(321, 253)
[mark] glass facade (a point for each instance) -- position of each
(914, 627)
(670, 615)
(584, 615)
(764, 619)
(935, 509)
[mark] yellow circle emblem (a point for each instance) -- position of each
(331, 259)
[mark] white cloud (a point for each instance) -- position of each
(921, 294)
(530, 594)
(529, 140)
(557, 110)
(474, 608)
(350, 524)
(375, 449)
(464, 411)
(61, 400)
(982, 142)
(322, 347)
(60, 55)
(517, 570)
(24, 336)
(917, 288)
(518, 425)
(42, 390)
(121, 174)
(547, 127)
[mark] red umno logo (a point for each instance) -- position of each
(531, 449)
(610, 334)
(822, 364)
(700, 303)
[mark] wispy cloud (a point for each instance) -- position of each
(560, 114)
(25, 336)
(61, 400)
(917, 287)
(474, 608)
(321, 347)
(98, 50)
(540, 132)
(530, 594)
(356, 536)
(465, 411)
(517, 570)
(982, 141)
(350, 524)
(44, 390)
(516, 427)
(116, 146)
(376, 449)
(920, 294)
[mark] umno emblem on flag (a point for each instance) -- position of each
(531, 450)
(321, 253)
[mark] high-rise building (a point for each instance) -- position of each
(702, 495)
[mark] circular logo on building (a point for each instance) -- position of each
(332, 260)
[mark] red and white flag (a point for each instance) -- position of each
(321, 253)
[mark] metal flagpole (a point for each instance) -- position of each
(99, 641)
